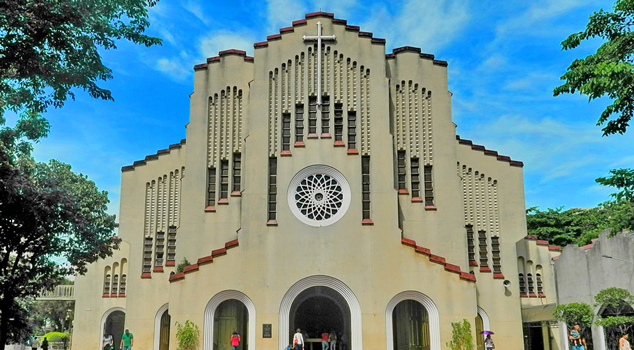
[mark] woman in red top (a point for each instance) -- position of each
(235, 340)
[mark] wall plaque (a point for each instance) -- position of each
(267, 330)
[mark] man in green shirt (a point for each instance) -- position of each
(127, 340)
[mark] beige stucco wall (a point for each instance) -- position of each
(370, 260)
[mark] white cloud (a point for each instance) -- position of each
(427, 24)
(196, 9)
(341, 8)
(210, 45)
(282, 13)
(175, 68)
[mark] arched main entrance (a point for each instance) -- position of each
(113, 323)
(231, 315)
(354, 337)
(320, 309)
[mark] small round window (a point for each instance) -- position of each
(319, 195)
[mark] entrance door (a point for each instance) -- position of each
(319, 310)
(411, 326)
(164, 337)
(114, 326)
(479, 329)
(231, 315)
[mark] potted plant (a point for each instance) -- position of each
(187, 335)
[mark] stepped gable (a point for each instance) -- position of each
(426, 56)
(224, 53)
(488, 152)
(439, 260)
(204, 261)
(153, 156)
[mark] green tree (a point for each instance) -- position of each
(187, 335)
(57, 313)
(49, 47)
(623, 180)
(461, 337)
(610, 70)
(563, 227)
(617, 316)
(46, 211)
(576, 314)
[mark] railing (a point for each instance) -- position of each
(62, 292)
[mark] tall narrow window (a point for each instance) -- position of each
(522, 284)
(540, 288)
(482, 243)
(299, 125)
(365, 183)
(531, 286)
(224, 182)
(339, 124)
(115, 285)
(401, 172)
(286, 133)
(352, 130)
(471, 246)
(237, 174)
(325, 116)
(429, 187)
(211, 187)
(106, 285)
(122, 285)
(159, 251)
(495, 254)
(147, 255)
(171, 246)
(415, 179)
(272, 200)
(312, 117)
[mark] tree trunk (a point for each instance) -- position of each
(4, 325)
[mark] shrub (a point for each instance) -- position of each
(187, 335)
(461, 337)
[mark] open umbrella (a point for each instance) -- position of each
(486, 332)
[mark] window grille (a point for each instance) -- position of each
(312, 115)
(522, 282)
(286, 132)
(171, 243)
(352, 130)
(365, 183)
(299, 123)
(224, 179)
(106, 284)
(325, 115)
(147, 255)
(237, 169)
(115, 285)
(211, 187)
(159, 249)
(429, 187)
(470, 243)
(272, 200)
(540, 288)
(482, 243)
(338, 122)
(415, 164)
(122, 285)
(401, 170)
(495, 254)
(531, 287)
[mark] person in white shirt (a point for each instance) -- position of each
(298, 340)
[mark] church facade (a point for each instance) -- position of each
(321, 186)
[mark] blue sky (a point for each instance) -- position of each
(504, 61)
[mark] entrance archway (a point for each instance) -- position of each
(209, 328)
(354, 337)
(162, 322)
(320, 309)
(231, 315)
(433, 318)
(112, 323)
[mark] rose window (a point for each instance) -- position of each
(319, 195)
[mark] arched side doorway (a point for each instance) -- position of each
(320, 309)
(354, 337)
(215, 311)
(481, 324)
(162, 322)
(231, 316)
(432, 317)
(112, 323)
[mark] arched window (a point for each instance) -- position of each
(124, 279)
(522, 283)
(410, 323)
(106, 284)
(115, 285)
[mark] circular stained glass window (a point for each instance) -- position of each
(319, 195)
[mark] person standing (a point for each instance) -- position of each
(127, 340)
(488, 343)
(624, 344)
(324, 341)
(108, 342)
(298, 340)
(332, 338)
(35, 344)
(235, 340)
